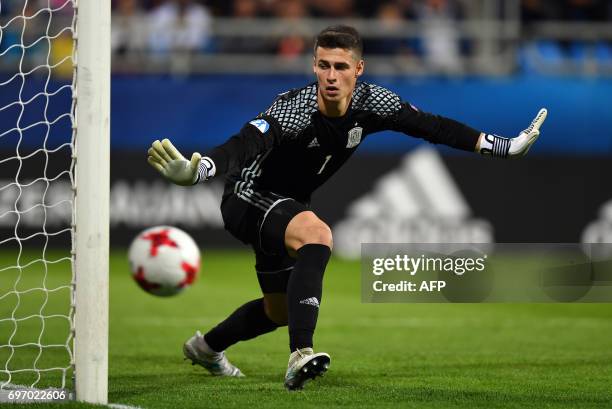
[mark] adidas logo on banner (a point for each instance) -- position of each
(597, 241)
(600, 230)
(314, 143)
(311, 301)
(417, 203)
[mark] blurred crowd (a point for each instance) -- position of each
(532, 9)
(158, 28)
(186, 24)
(566, 10)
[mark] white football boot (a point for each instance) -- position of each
(200, 353)
(303, 366)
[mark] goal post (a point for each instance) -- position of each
(92, 187)
(54, 199)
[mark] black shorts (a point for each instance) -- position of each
(260, 219)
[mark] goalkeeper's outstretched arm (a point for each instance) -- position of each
(438, 129)
(255, 137)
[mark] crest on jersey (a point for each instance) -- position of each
(354, 137)
(261, 124)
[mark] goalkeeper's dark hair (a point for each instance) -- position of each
(340, 36)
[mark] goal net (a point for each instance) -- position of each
(44, 213)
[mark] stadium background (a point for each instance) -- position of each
(196, 71)
(491, 64)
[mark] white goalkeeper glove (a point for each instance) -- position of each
(515, 147)
(168, 161)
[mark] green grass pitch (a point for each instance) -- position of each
(383, 355)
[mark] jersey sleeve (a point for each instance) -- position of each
(392, 113)
(433, 128)
(255, 137)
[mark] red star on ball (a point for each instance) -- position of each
(142, 281)
(158, 239)
(191, 273)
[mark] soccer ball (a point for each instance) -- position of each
(164, 260)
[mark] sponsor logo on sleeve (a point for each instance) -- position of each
(261, 124)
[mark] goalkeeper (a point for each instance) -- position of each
(271, 168)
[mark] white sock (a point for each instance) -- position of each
(298, 354)
(203, 346)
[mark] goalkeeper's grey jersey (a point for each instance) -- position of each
(292, 148)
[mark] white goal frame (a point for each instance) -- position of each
(92, 181)
(89, 171)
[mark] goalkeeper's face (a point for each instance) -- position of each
(337, 71)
